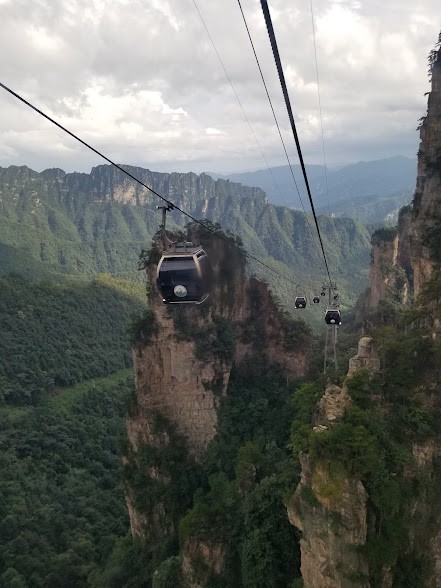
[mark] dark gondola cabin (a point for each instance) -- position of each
(333, 316)
(316, 300)
(300, 302)
(184, 276)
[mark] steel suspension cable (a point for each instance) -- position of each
(271, 34)
(237, 97)
(274, 114)
(319, 102)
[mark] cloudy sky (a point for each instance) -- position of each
(140, 80)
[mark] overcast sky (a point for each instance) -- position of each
(140, 80)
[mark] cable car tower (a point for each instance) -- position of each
(333, 320)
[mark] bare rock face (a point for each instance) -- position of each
(382, 273)
(401, 263)
(390, 270)
(329, 506)
(428, 189)
(171, 381)
(367, 357)
(200, 560)
(330, 509)
(333, 404)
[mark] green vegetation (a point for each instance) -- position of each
(63, 512)
(62, 506)
(384, 234)
(370, 209)
(234, 499)
(215, 339)
(432, 239)
(169, 463)
(373, 442)
(54, 225)
(249, 471)
(56, 335)
(64, 520)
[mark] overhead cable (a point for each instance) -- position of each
(270, 102)
(269, 26)
(274, 115)
(319, 102)
(237, 98)
(138, 181)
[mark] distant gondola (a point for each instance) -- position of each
(184, 275)
(300, 302)
(333, 316)
(316, 300)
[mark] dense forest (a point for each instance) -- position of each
(62, 503)
(65, 379)
(57, 335)
(65, 386)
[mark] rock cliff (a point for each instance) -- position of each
(401, 261)
(428, 188)
(367, 518)
(77, 223)
(329, 506)
(183, 360)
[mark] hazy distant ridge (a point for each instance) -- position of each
(374, 179)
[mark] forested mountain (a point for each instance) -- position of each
(231, 455)
(371, 209)
(54, 224)
(212, 476)
(335, 193)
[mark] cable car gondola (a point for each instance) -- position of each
(184, 275)
(300, 302)
(333, 316)
(316, 300)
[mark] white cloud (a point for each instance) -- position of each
(212, 131)
(142, 82)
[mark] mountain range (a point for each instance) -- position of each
(55, 224)
(388, 183)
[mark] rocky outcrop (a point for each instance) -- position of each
(201, 560)
(366, 358)
(333, 404)
(387, 276)
(171, 381)
(428, 189)
(402, 262)
(337, 518)
(182, 368)
(329, 506)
